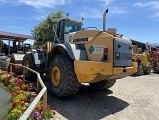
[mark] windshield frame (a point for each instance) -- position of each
(61, 28)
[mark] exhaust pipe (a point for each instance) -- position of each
(104, 20)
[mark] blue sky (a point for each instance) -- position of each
(135, 19)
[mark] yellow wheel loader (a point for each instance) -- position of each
(82, 55)
(154, 56)
(143, 60)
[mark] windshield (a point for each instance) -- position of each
(71, 26)
(67, 26)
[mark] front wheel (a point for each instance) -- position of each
(139, 71)
(28, 61)
(63, 80)
(105, 84)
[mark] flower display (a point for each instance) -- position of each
(20, 98)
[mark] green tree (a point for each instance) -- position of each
(44, 30)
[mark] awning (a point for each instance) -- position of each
(14, 36)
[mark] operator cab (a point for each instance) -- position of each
(67, 26)
(26, 47)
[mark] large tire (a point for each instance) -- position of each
(155, 67)
(63, 80)
(139, 71)
(147, 70)
(28, 61)
(105, 84)
(157, 70)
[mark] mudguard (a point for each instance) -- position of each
(76, 52)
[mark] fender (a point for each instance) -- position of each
(74, 51)
(60, 49)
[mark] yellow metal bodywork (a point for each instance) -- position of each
(26, 64)
(48, 47)
(90, 71)
(94, 70)
(143, 57)
(98, 38)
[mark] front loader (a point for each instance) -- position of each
(143, 60)
(82, 55)
(154, 56)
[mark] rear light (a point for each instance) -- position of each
(105, 55)
(105, 50)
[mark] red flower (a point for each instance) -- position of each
(17, 92)
(53, 112)
(19, 83)
(23, 104)
(8, 78)
(14, 103)
(12, 94)
(2, 72)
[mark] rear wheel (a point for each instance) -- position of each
(105, 84)
(63, 80)
(29, 62)
(157, 70)
(147, 70)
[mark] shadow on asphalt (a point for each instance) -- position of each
(87, 104)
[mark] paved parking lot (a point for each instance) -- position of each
(131, 98)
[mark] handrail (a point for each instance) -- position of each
(42, 93)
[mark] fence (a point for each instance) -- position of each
(42, 93)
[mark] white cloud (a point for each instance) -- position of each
(117, 10)
(39, 3)
(2, 0)
(153, 5)
(90, 13)
(157, 15)
(107, 2)
(43, 3)
(39, 17)
(98, 13)
(85, 11)
(13, 18)
(41, 6)
(16, 27)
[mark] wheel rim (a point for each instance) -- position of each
(139, 72)
(26, 64)
(56, 76)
